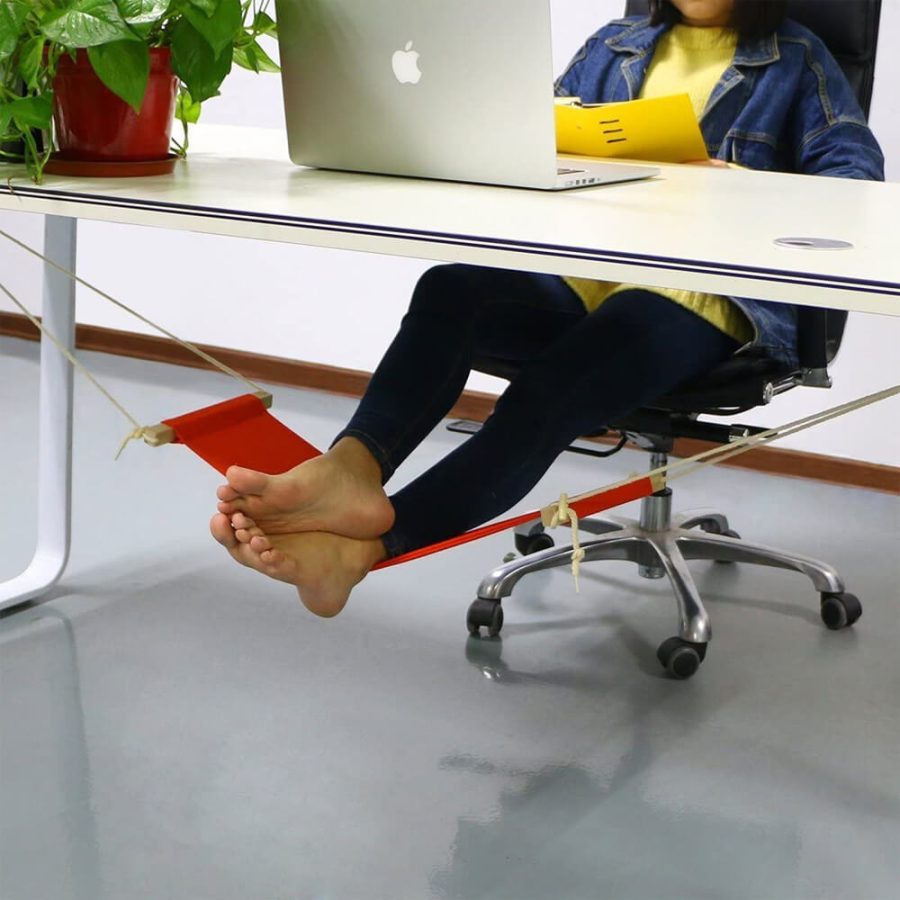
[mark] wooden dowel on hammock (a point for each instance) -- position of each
(158, 435)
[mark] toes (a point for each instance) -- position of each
(246, 535)
(250, 547)
(278, 564)
(237, 543)
(226, 493)
(273, 558)
(246, 481)
(240, 520)
(221, 530)
(245, 529)
(259, 543)
(230, 507)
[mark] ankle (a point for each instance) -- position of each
(372, 553)
(354, 456)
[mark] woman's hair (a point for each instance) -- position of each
(749, 18)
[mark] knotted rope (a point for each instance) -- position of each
(563, 514)
(138, 431)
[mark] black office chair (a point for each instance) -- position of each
(659, 544)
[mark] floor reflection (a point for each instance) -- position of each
(567, 830)
(48, 833)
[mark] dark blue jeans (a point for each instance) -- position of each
(578, 371)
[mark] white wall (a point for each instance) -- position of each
(342, 309)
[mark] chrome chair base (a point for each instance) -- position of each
(661, 545)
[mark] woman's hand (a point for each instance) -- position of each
(716, 163)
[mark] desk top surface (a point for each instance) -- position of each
(697, 227)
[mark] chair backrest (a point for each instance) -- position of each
(850, 31)
(849, 28)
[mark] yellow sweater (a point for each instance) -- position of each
(687, 60)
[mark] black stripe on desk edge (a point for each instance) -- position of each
(754, 273)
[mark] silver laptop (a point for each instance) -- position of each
(453, 89)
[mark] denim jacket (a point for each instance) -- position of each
(782, 105)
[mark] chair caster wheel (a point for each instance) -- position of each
(486, 613)
(680, 658)
(527, 544)
(730, 532)
(840, 610)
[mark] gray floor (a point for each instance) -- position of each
(172, 726)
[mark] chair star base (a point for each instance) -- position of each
(660, 545)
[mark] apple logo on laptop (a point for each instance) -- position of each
(406, 65)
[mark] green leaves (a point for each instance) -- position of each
(206, 38)
(194, 62)
(252, 56)
(123, 67)
(143, 12)
(27, 112)
(218, 28)
(203, 45)
(31, 58)
(248, 52)
(186, 109)
(12, 20)
(207, 7)
(87, 23)
(263, 23)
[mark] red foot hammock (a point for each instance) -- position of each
(242, 432)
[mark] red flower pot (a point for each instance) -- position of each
(92, 123)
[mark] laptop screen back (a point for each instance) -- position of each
(456, 89)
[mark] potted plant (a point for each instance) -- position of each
(106, 77)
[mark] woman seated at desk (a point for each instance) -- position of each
(769, 96)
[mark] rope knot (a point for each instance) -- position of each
(563, 514)
(136, 434)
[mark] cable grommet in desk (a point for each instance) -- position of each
(812, 243)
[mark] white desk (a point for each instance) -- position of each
(697, 227)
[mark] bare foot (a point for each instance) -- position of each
(323, 567)
(339, 492)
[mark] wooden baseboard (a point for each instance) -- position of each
(472, 404)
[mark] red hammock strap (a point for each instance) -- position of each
(241, 432)
(617, 494)
(604, 499)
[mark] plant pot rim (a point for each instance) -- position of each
(158, 56)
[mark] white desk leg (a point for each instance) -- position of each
(55, 435)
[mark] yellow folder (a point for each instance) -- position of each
(660, 129)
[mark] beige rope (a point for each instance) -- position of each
(561, 512)
(742, 445)
(186, 344)
(138, 430)
(562, 515)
